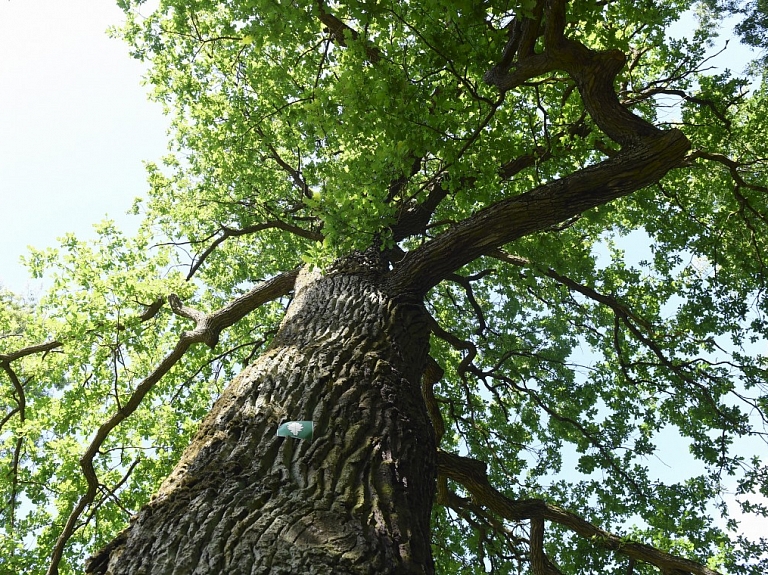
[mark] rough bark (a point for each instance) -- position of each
(355, 499)
(349, 356)
(552, 203)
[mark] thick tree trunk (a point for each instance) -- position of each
(355, 499)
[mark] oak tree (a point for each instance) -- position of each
(502, 258)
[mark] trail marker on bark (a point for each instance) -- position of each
(296, 429)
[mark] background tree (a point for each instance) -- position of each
(405, 222)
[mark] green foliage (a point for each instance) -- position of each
(97, 295)
(570, 363)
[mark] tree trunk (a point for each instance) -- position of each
(355, 499)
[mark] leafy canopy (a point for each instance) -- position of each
(304, 130)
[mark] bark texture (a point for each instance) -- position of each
(356, 499)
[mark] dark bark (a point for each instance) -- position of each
(632, 169)
(349, 356)
(355, 499)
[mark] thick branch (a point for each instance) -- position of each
(630, 170)
(415, 218)
(538, 563)
(646, 156)
(207, 331)
(471, 474)
(594, 73)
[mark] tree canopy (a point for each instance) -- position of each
(580, 202)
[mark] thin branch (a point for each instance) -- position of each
(256, 345)
(481, 519)
(21, 401)
(8, 417)
(110, 492)
(206, 331)
(471, 474)
(457, 343)
(432, 374)
(593, 438)
(152, 310)
(693, 99)
(733, 168)
(466, 283)
(295, 174)
(233, 233)
(32, 349)
(618, 307)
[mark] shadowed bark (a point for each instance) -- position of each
(355, 499)
(350, 357)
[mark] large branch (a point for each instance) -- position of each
(594, 73)
(207, 330)
(630, 170)
(414, 218)
(471, 474)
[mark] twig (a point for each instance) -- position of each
(471, 474)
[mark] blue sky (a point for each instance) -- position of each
(75, 126)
